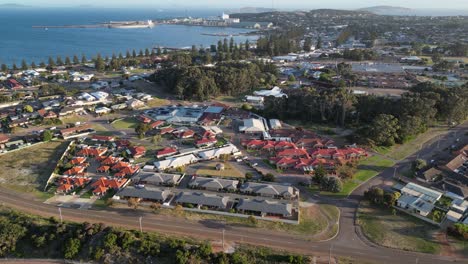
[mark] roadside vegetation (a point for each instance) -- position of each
(27, 236)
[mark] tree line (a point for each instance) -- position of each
(27, 236)
(381, 121)
(227, 78)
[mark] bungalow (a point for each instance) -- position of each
(154, 178)
(184, 134)
(252, 126)
(429, 175)
(78, 160)
(213, 184)
(102, 185)
(91, 152)
(265, 207)
(65, 188)
(229, 149)
(103, 169)
(202, 199)
(175, 162)
(137, 152)
(293, 153)
(70, 110)
(13, 84)
(269, 190)
(78, 170)
(103, 138)
(418, 199)
(144, 119)
(110, 160)
(145, 194)
(47, 114)
(206, 142)
(73, 130)
(102, 110)
(167, 130)
(156, 124)
(4, 138)
(166, 152)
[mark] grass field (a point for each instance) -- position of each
(366, 170)
(27, 170)
(157, 102)
(399, 231)
(208, 169)
(126, 123)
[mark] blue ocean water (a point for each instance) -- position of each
(18, 40)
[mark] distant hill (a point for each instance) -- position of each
(250, 10)
(12, 5)
(388, 10)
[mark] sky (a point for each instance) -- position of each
(279, 4)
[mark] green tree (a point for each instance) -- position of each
(4, 68)
(319, 43)
(15, 68)
(269, 177)
(419, 164)
(291, 78)
(33, 65)
(331, 184)
(47, 136)
(99, 63)
(319, 173)
(84, 59)
(307, 44)
(141, 129)
(72, 248)
(76, 61)
(10, 234)
(28, 108)
(51, 63)
(384, 130)
(24, 65)
(59, 61)
(68, 61)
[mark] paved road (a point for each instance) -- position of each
(347, 243)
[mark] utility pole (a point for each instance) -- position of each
(223, 238)
(141, 227)
(330, 254)
(60, 212)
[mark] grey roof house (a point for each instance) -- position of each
(213, 184)
(269, 190)
(265, 207)
(202, 199)
(154, 178)
(145, 193)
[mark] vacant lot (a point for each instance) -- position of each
(27, 170)
(399, 231)
(209, 169)
(126, 123)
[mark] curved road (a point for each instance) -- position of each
(347, 243)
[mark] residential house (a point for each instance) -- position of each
(252, 126)
(144, 194)
(213, 184)
(166, 152)
(429, 175)
(154, 178)
(176, 162)
(269, 190)
(206, 142)
(229, 149)
(199, 200)
(265, 207)
(137, 151)
(418, 199)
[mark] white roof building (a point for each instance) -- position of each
(276, 92)
(102, 110)
(101, 96)
(86, 97)
(419, 199)
(275, 124)
(177, 162)
(253, 126)
(215, 153)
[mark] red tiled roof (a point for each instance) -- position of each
(100, 190)
(65, 187)
(137, 151)
(103, 138)
(103, 169)
(120, 166)
(74, 171)
(293, 152)
(78, 160)
(204, 141)
(156, 124)
(167, 130)
(4, 138)
(166, 151)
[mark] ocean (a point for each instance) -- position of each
(19, 40)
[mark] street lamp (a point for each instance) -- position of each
(223, 238)
(60, 212)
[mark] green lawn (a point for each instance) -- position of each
(399, 231)
(126, 123)
(157, 102)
